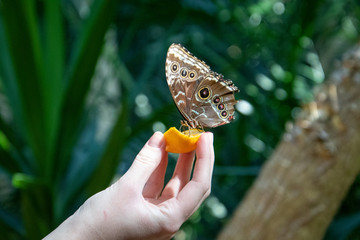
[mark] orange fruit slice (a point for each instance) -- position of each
(181, 142)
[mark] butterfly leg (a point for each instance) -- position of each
(202, 129)
(191, 125)
(186, 126)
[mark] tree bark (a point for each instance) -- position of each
(303, 183)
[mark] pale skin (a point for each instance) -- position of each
(138, 206)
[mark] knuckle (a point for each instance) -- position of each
(204, 187)
(146, 159)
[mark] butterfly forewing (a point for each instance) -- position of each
(202, 96)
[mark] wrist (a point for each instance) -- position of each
(74, 227)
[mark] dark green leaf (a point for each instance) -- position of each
(54, 52)
(24, 43)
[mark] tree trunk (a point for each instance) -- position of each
(302, 185)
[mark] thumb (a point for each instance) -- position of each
(147, 160)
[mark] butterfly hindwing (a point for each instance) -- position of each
(213, 102)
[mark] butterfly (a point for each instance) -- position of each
(203, 97)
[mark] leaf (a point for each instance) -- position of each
(11, 154)
(24, 43)
(54, 50)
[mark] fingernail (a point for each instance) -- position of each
(157, 140)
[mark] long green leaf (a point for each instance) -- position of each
(54, 74)
(81, 69)
(24, 47)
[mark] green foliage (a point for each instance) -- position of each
(83, 87)
(46, 93)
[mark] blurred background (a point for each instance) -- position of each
(82, 88)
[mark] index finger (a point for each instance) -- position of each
(147, 160)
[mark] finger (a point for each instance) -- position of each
(155, 184)
(181, 175)
(195, 191)
(146, 161)
(205, 159)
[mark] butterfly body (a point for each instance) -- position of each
(203, 97)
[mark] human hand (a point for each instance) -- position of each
(137, 206)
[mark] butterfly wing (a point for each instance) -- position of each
(183, 73)
(213, 101)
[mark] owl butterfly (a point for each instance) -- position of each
(203, 97)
